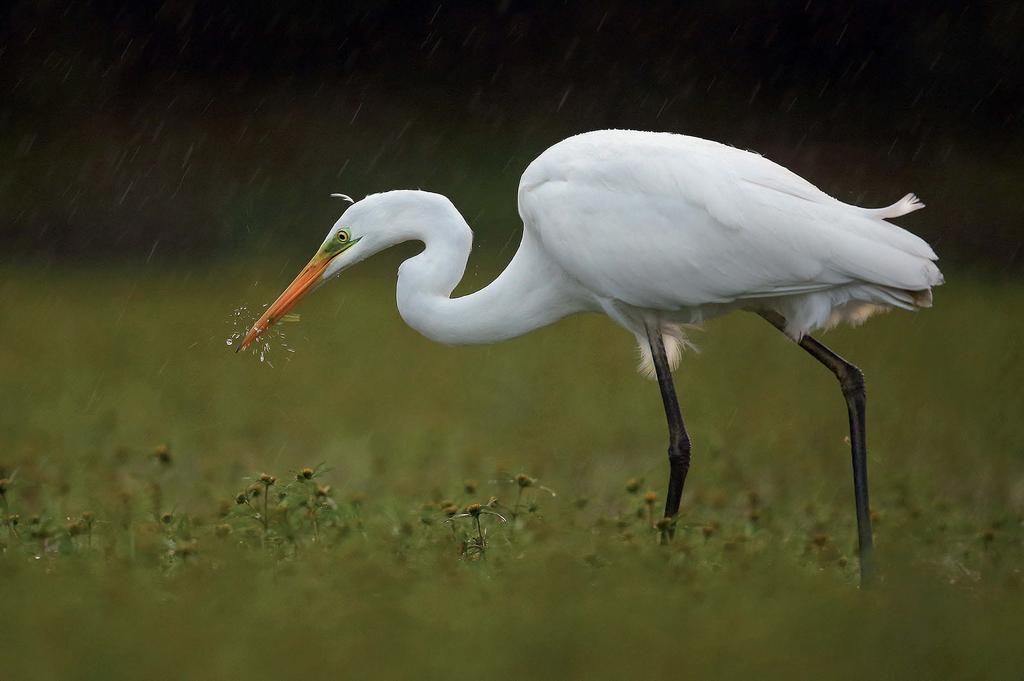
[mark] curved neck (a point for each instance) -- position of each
(530, 293)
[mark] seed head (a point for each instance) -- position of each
(709, 530)
(450, 510)
(474, 510)
(222, 530)
(75, 527)
(163, 454)
(14, 519)
(240, 498)
(820, 539)
(306, 473)
(323, 491)
(525, 480)
(167, 518)
(650, 497)
(470, 486)
(88, 517)
(632, 485)
(267, 479)
(663, 524)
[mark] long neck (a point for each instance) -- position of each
(530, 293)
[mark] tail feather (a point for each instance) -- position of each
(922, 298)
(908, 204)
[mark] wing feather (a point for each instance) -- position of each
(660, 220)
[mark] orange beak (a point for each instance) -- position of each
(303, 284)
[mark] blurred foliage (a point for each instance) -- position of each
(172, 129)
(122, 401)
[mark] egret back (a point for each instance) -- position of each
(693, 228)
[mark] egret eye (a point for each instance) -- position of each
(342, 236)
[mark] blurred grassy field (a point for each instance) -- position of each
(100, 365)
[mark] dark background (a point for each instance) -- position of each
(159, 130)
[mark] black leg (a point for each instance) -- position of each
(678, 440)
(851, 380)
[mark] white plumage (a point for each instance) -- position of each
(648, 228)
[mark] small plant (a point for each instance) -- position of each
(316, 497)
(267, 481)
(12, 525)
(476, 547)
(40, 530)
(246, 498)
(88, 520)
(666, 528)
(649, 500)
(162, 454)
(523, 483)
(302, 491)
(74, 527)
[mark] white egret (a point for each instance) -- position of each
(655, 230)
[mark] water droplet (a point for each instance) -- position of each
(242, 319)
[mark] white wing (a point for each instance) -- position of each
(665, 221)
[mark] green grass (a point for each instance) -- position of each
(100, 365)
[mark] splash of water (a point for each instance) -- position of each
(272, 341)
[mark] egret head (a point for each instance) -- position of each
(366, 227)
